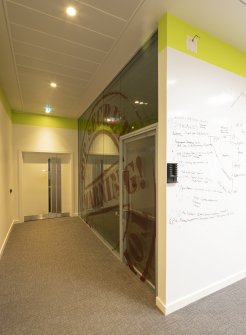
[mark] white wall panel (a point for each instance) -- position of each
(206, 136)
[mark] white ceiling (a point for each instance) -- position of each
(40, 44)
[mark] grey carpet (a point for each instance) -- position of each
(57, 278)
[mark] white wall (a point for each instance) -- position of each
(206, 230)
(43, 139)
(5, 175)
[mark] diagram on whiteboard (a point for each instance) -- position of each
(207, 138)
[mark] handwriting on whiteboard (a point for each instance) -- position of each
(211, 159)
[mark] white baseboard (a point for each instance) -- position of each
(180, 303)
(160, 304)
(6, 239)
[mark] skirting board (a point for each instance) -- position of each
(178, 304)
(6, 239)
(160, 305)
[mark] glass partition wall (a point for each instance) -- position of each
(127, 104)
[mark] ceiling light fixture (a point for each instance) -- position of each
(53, 84)
(71, 11)
(136, 102)
(48, 109)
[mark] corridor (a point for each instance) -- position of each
(56, 277)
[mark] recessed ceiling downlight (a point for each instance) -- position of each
(71, 11)
(48, 109)
(53, 84)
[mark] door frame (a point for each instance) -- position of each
(143, 131)
(20, 179)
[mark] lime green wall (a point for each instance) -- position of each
(44, 121)
(173, 32)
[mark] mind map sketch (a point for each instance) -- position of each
(211, 157)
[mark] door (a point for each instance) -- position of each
(46, 180)
(138, 203)
(54, 185)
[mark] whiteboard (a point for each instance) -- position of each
(206, 136)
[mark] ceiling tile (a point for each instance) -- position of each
(42, 100)
(61, 93)
(53, 56)
(27, 35)
(57, 28)
(47, 96)
(45, 66)
(59, 78)
(87, 16)
(40, 82)
(120, 8)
